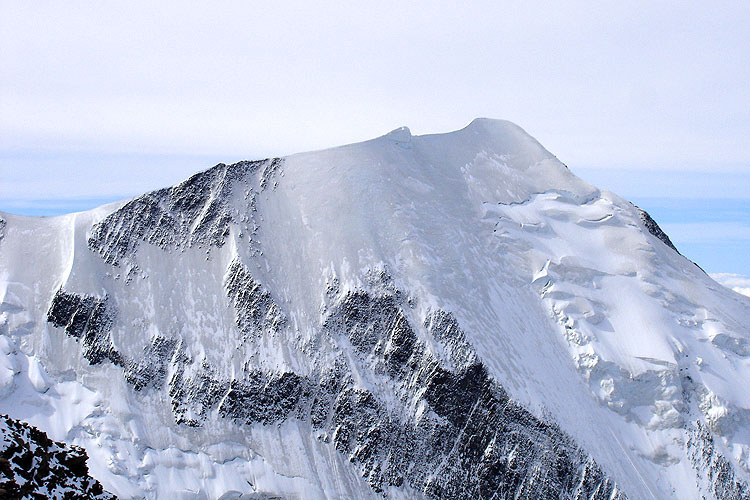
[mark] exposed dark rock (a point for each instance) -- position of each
(194, 213)
(263, 398)
(194, 389)
(444, 327)
(270, 174)
(472, 441)
(446, 429)
(401, 345)
(654, 228)
(714, 472)
(2, 228)
(363, 318)
(34, 466)
(151, 369)
(88, 319)
(254, 307)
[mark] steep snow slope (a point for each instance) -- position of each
(442, 316)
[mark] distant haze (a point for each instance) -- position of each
(101, 101)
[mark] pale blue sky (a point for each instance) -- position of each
(100, 101)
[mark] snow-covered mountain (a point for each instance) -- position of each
(444, 316)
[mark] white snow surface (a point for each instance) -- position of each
(574, 307)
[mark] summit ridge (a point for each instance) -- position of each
(449, 315)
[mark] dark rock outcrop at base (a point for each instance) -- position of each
(713, 471)
(447, 429)
(34, 466)
(470, 440)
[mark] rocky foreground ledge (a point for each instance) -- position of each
(34, 466)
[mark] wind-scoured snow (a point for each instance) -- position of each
(443, 316)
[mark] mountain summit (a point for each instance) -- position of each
(448, 316)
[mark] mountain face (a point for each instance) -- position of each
(427, 317)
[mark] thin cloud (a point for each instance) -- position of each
(691, 232)
(631, 83)
(736, 282)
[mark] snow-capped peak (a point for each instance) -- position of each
(451, 315)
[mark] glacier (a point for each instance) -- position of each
(441, 316)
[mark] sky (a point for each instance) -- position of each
(100, 101)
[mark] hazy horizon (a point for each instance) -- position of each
(100, 102)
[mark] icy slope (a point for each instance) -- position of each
(441, 316)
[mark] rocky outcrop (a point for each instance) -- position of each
(151, 369)
(446, 428)
(715, 475)
(196, 212)
(654, 228)
(88, 319)
(254, 307)
(34, 466)
(194, 389)
(469, 440)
